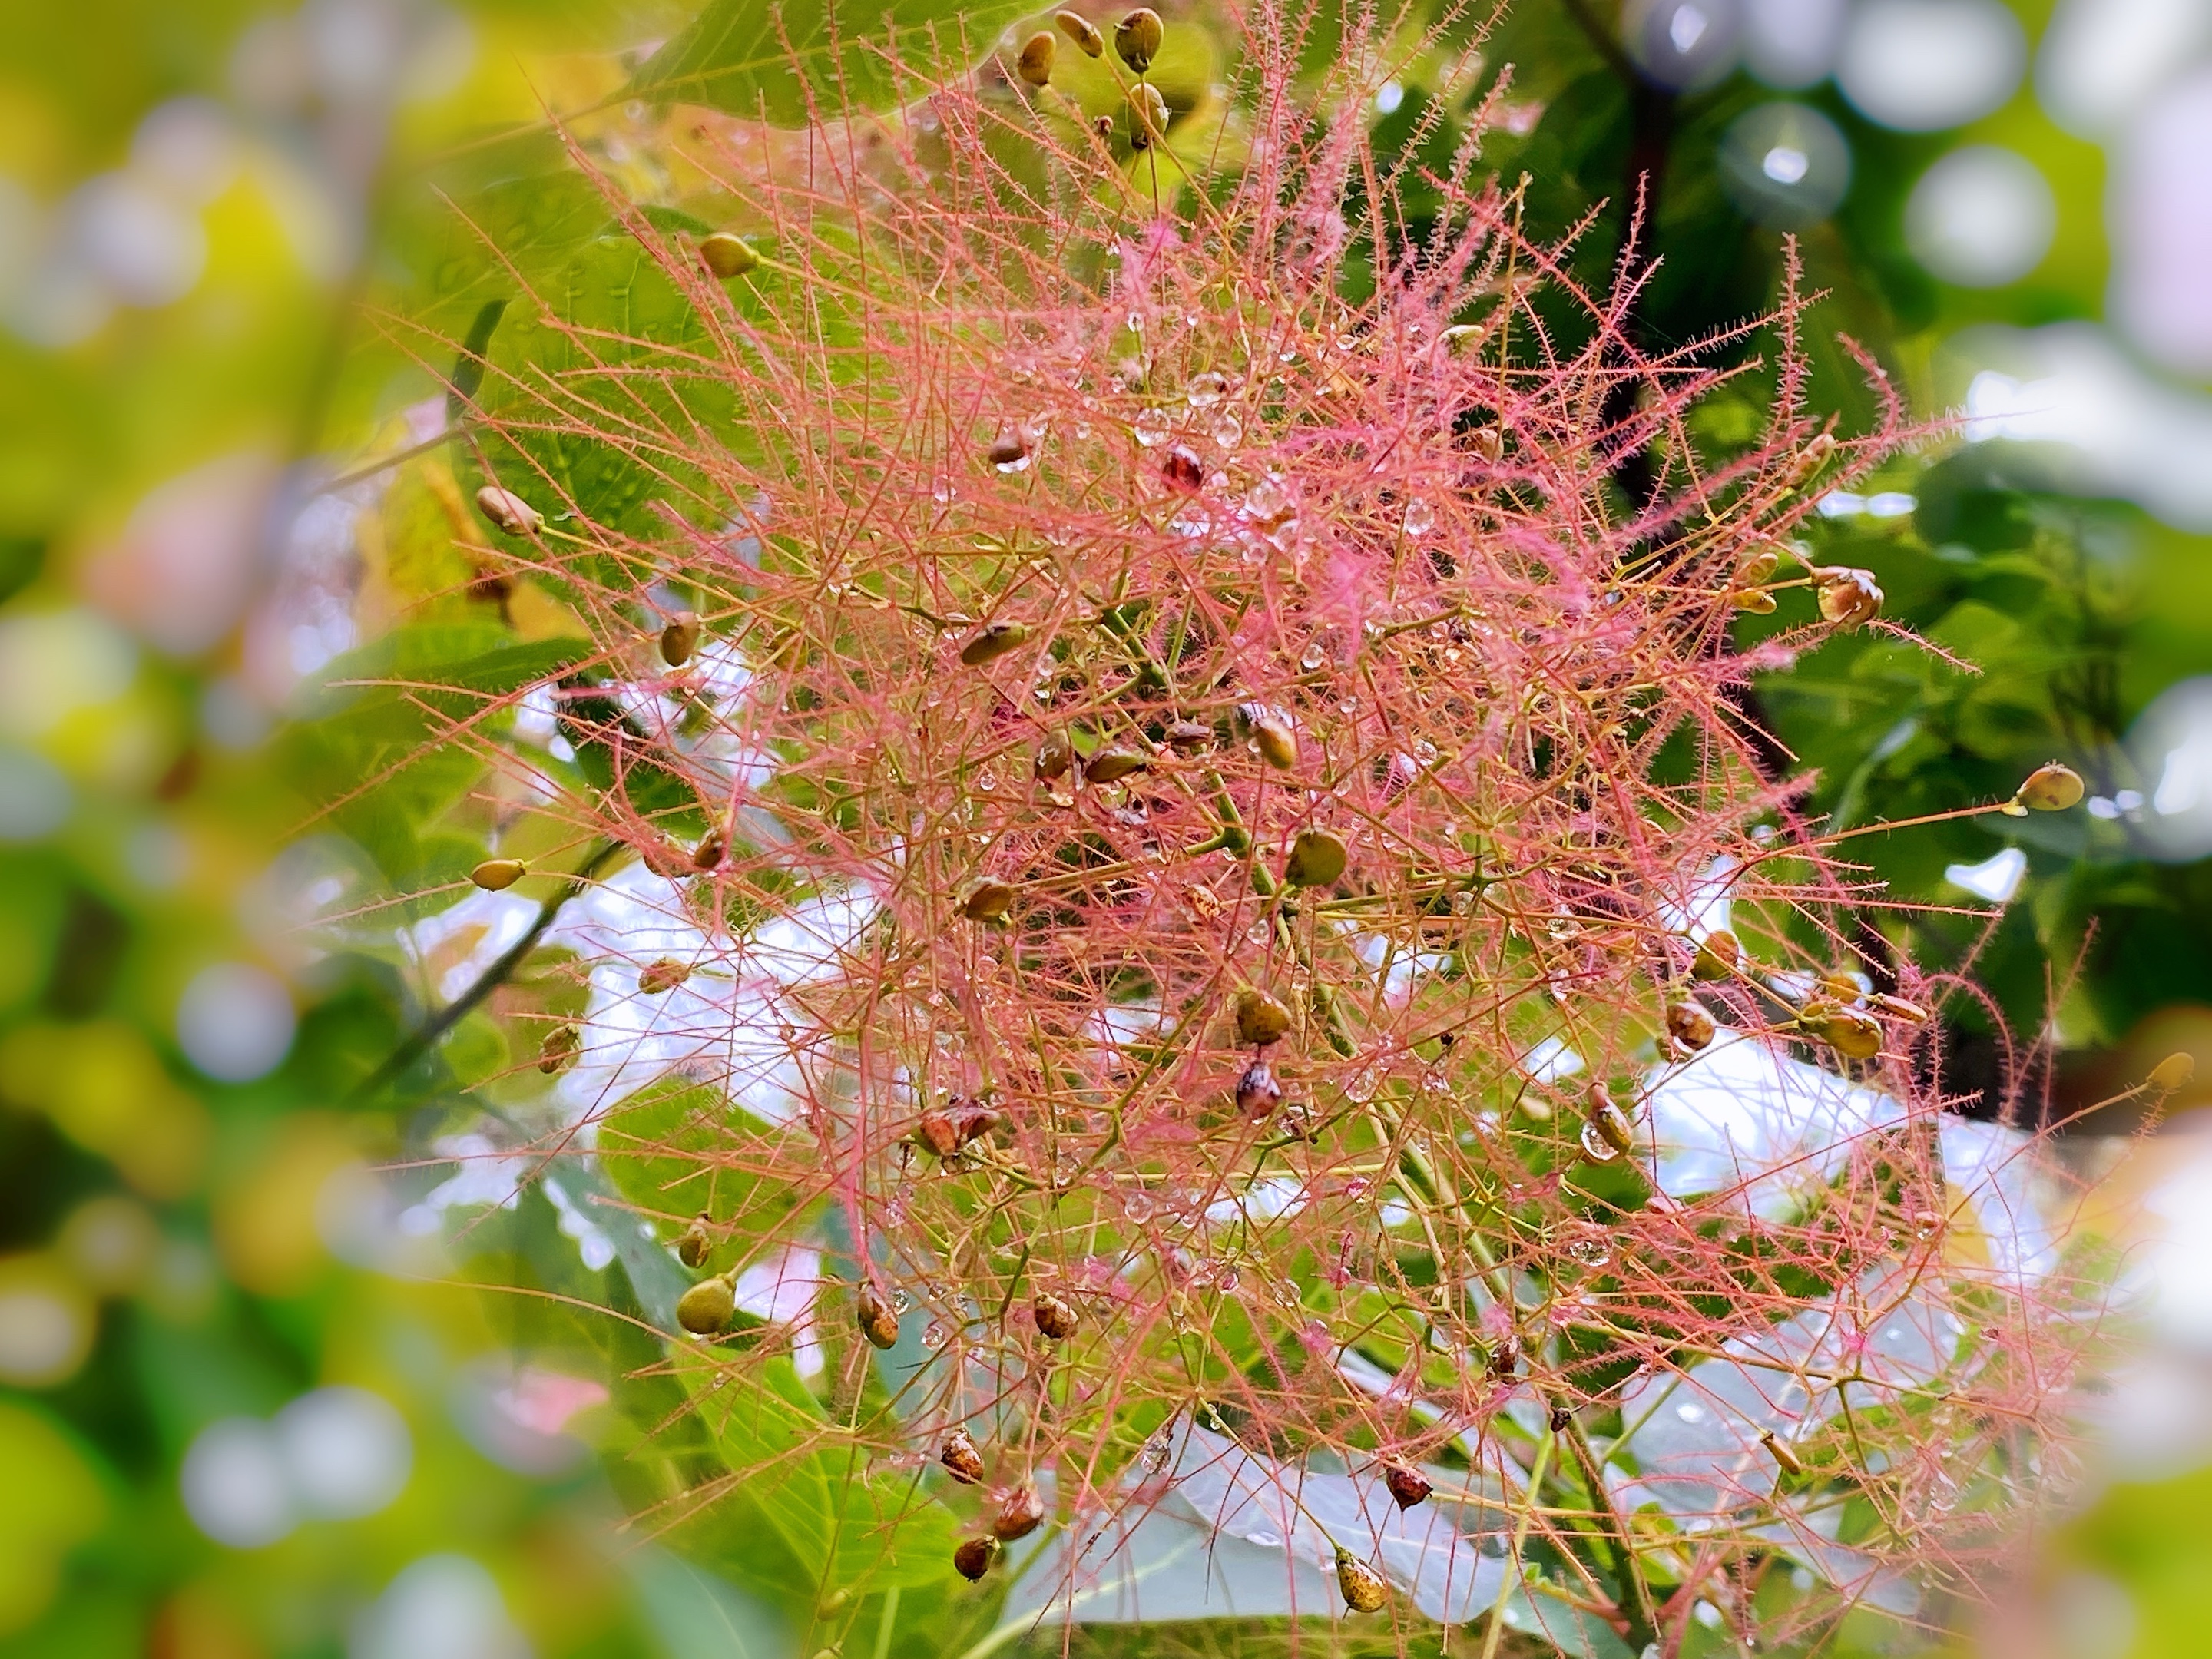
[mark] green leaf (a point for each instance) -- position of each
(756, 57)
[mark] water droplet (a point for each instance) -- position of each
(1420, 516)
(933, 1336)
(1596, 1148)
(1138, 1206)
(1228, 431)
(1152, 428)
(987, 781)
(1590, 1249)
(1690, 1412)
(1348, 706)
(901, 1302)
(1424, 752)
(1136, 322)
(1227, 1281)
(1206, 389)
(1359, 1087)
(1313, 658)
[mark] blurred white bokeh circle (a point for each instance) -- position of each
(234, 1484)
(2159, 210)
(1684, 46)
(1785, 165)
(1923, 66)
(440, 1606)
(235, 1022)
(1981, 217)
(346, 1450)
(1793, 43)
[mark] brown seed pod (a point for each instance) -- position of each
(2175, 1071)
(1756, 567)
(1363, 1590)
(1406, 1486)
(1258, 1094)
(1848, 1031)
(1719, 956)
(1021, 1512)
(995, 640)
(1268, 730)
(1316, 859)
(1562, 1417)
(1612, 1124)
(1055, 1318)
(558, 1051)
(507, 511)
(1180, 466)
(1261, 1019)
(1111, 765)
(1011, 447)
(497, 875)
(1136, 38)
(2051, 788)
(706, 1307)
(1082, 31)
(1505, 1357)
(680, 639)
(1148, 117)
(1201, 901)
(713, 847)
(987, 899)
(1187, 737)
(1053, 756)
(1035, 64)
(878, 1320)
(972, 1120)
(1756, 600)
(974, 1558)
(1849, 598)
(936, 1131)
(1103, 125)
(693, 1249)
(1810, 459)
(1779, 1450)
(727, 254)
(1897, 1008)
(663, 975)
(961, 1459)
(1689, 1024)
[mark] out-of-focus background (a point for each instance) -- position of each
(248, 1405)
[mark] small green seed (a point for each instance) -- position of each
(497, 875)
(1316, 859)
(727, 255)
(680, 639)
(1083, 31)
(1112, 765)
(995, 640)
(706, 1307)
(988, 899)
(2051, 788)
(1260, 1019)
(1035, 64)
(1136, 38)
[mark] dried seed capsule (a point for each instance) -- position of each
(680, 639)
(2174, 1071)
(987, 899)
(1258, 1094)
(1562, 1417)
(875, 1316)
(1847, 1030)
(713, 847)
(1406, 1486)
(507, 511)
(1897, 1008)
(1136, 38)
(936, 1131)
(1112, 764)
(706, 1307)
(1009, 450)
(663, 975)
(559, 1050)
(972, 1120)
(696, 1243)
(1689, 1024)
(1180, 466)
(1777, 1449)
(1103, 125)
(727, 255)
(1363, 1590)
(1756, 600)
(1268, 730)
(497, 875)
(1035, 64)
(1505, 1357)
(1756, 567)
(1261, 1019)
(1148, 116)
(1055, 1318)
(995, 640)
(1083, 31)
(1187, 737)
(1053, 756)
(1021, 1512)
(1809, 460)
(1849, 598)
(1611, 1123)
(2051, 788)
(1316, 859)
(961, 1459)
(1719, 956)
(973, 1557)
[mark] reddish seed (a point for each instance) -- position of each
(1055, 1318)
(1182, 470)
(961, 1459)
(1406, 1486)
(875, 1316)
(1021, 1512)
(973, 1557)
(1258, 1094)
